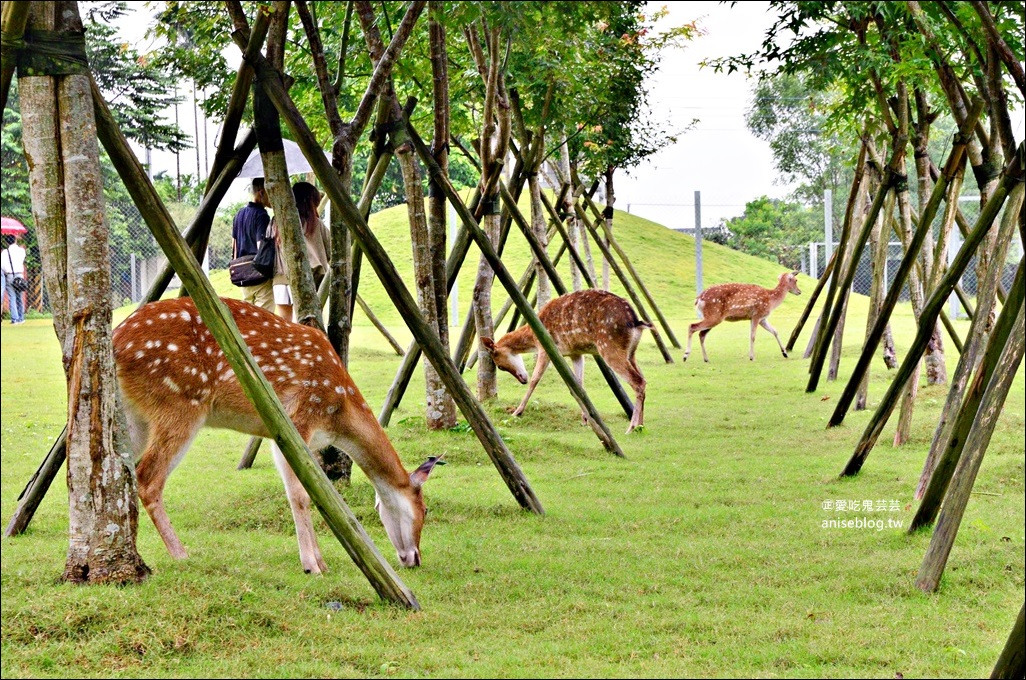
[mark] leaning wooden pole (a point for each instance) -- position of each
(600, 219)
(624, 281)
(957, 497)
(939, 474)
(380, 326)
(14, 20)
(811, 304)
(34, 492)
(557, 282)
(504, 277)
(1012, 662)
(951, 168)
(218, 319)
(833, 308)
(1011, 181)
(394, 286)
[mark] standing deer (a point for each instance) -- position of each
(583, 322)
(174, 379)
(738, 301)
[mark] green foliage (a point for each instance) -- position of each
(775, 230)
(137, 88)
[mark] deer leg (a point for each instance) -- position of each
(701, 341)
(628, 368)
(299, 501)
(539, 371)
(751, 342)
(691, 329)
(165, 447)
(766, 324)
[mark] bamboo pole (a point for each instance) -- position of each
(957, 497)
(1012, 661)
(1011, 181)
(623, 281)
(633, 272)
(501, 273)
(955, 159)
(939, 473)
(396, 289)
(218, 320)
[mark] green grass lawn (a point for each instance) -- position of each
(703, 553)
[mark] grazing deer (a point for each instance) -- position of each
(584, 322)
(739, 301)
(175, 379)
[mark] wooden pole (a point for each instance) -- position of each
(503, 275)
(394, 286)
(14, 20)
(1011, 181)
(561, 289)
(1012, 661)
(951, 168)
(218, 320)
(34, 492)
(812, 302)
(380, 326)
(940, 472)
(832, 310)
(623, 281)
(957, 497)
(633, 272)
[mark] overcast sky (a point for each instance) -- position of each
(718, 158)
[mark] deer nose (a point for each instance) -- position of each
(410, 559)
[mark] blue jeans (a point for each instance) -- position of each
(14, 300)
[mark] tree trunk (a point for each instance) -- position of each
(540, 229)
(493, 148)
(607, 214)
(915, 287)
(102, 495)
(566, 209)
(441, 409)
(878, 248)
(936, 370)
(482, 301)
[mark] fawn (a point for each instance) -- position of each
(583, 322)
(174, 379)
(739, 301)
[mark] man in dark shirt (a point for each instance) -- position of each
(248, 229)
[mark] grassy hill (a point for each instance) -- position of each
(663, 258)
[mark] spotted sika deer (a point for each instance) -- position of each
(737, 302)
(584, 322)
(175, 379)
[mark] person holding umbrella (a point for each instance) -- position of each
(249, 227)
(12, 260)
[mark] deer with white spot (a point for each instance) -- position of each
(175, 379)
(583, 322)
(739, 302)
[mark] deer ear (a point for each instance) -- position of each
(421, 474)
(488, 343)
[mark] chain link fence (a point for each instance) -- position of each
(815, 258)
(136, 259)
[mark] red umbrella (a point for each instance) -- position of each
(9, 225)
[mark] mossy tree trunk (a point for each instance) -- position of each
(63, 155)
